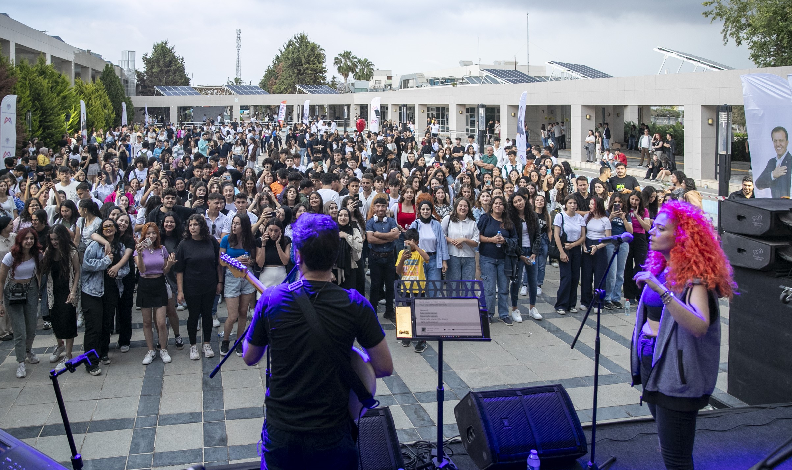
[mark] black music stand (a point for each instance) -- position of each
(449, 290)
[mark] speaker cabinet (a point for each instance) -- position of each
(755, 253)
(760, 335)
(378, 442)
(499, 428)
(761, 217)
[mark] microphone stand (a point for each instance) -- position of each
(71, 366)
(599, 295)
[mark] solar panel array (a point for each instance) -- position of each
(246, 90)
(582, 71)
(177, 90)
(695, 59)
(510, 76)
(483, 80)
(317, 89)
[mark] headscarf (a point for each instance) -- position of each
(420, 217)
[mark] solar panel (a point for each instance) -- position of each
(510, 76)
(711, 64)
(581, 71)
(176, 90)
(473, 80)
(317, 89)
(246, 90)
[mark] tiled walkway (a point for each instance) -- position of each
(169, 416)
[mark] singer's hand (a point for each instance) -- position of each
(645, 277)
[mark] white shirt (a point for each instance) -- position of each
(329, 195)
(230, 217)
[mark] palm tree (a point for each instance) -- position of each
(365, 70)
(346, 64)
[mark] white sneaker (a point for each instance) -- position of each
(215, 323)
(207, 349)
(194, 353)
(535, 314)
(124, 349)
(180, 308)
(21, 372)
(555, 264)
(165, 356)
(137, 308)
(149, 357)
(573, 310)
(539, 290)
(62, 364)
(523, 291)
(32, 358)
(516, 315)
(80, 320)
(561, 311)
(57, 353)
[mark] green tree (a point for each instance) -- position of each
(364, 70)
(764, 25)
(346, 63)
(46, 94)
(299, 61)
(8, 80)
(162, 68)
(115, 91)
(99, 112)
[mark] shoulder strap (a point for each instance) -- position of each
(348, 376)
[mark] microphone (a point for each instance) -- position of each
(625, 237)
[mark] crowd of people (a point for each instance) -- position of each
(148, 210)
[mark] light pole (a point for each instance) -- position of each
(723, 156)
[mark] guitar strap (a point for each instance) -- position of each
(348, 375)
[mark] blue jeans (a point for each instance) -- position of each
(493, 273)
(303, 152)
(461, 268)
(631, 144)
(332, 448)
(530, 276)
(541, 260)
(431, 271)
(616, 274)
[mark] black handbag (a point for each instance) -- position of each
(553, 251)
(17, 293)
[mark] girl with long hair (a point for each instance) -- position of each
(641, 223)
(123, 319)
(495, 230)
(620, 223)
(274, 253)
(462, 236)
(153, 262)
(594, 260)
(7, 207)
(528, 236)
(351, 248)
(315, 203)
(686, 273)
(20, 274)
(569, 232)
(545, 231)
(25, 218)
(483, 205)
(240, 245)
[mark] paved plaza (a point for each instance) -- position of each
(169, 416)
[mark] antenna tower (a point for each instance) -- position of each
(239, 61)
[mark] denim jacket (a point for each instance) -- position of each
(94, 265)
(442, 245)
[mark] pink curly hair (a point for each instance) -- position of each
(696, 254)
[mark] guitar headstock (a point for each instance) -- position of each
(237, 269)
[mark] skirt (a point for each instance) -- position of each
(272, 275)
(151, 292)
(63, 316)
(93, 169)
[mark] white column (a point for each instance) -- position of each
(508, 122)
(12, 51)
(235, 114)
(174, 114)
(578, 128)
(631, 115)
(420, 121)
(699, 157)
(456, 121)
(48, 58)
(616, 124)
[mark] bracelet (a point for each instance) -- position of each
(667, 297)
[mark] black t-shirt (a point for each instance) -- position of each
(198, 260)
(306, 392)
(606, 183)
(619, 184)
(271, 256)
(582, 202)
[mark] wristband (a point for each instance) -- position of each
(667, 297)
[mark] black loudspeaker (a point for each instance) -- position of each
(378, 442)
(760, 333)
(500, 428)
(755, 253)
(757, 217)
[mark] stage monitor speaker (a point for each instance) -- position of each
(755, 253)
(761, 217)
(378, 442)
(500, 428)
(760, 333)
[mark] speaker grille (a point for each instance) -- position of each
(379, 445)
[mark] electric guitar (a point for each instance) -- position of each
(361, 363)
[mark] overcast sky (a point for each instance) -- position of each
(616, 37)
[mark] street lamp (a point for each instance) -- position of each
(482, 126)
(724, 140)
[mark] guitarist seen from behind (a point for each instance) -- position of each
(307, 424)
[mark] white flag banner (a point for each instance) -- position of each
(374, 121)
(768, 119)
(282, 112)
(8, 121)
(147, 118)
(123, 114)
(521, 141)
(83, 130)
(306, 109)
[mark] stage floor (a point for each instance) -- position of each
(169, 416)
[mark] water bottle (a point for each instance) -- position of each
(626, 307)
(498, 235)
(533, 460)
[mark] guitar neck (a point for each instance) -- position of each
(256, 283)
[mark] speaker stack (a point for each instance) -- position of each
(757, 239)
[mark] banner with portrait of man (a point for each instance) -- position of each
(768, 119)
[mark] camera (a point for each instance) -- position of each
(617, 207)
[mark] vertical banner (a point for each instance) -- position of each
(8, 121)
(123, 114)
(147, 118)
(521, 141)
(282, 112)
(374, 122)
(83, 130)
(768, 118)
(306, 109)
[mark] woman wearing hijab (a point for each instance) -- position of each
(432, 241)
(351, 246)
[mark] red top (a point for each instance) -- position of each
(404, 219)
